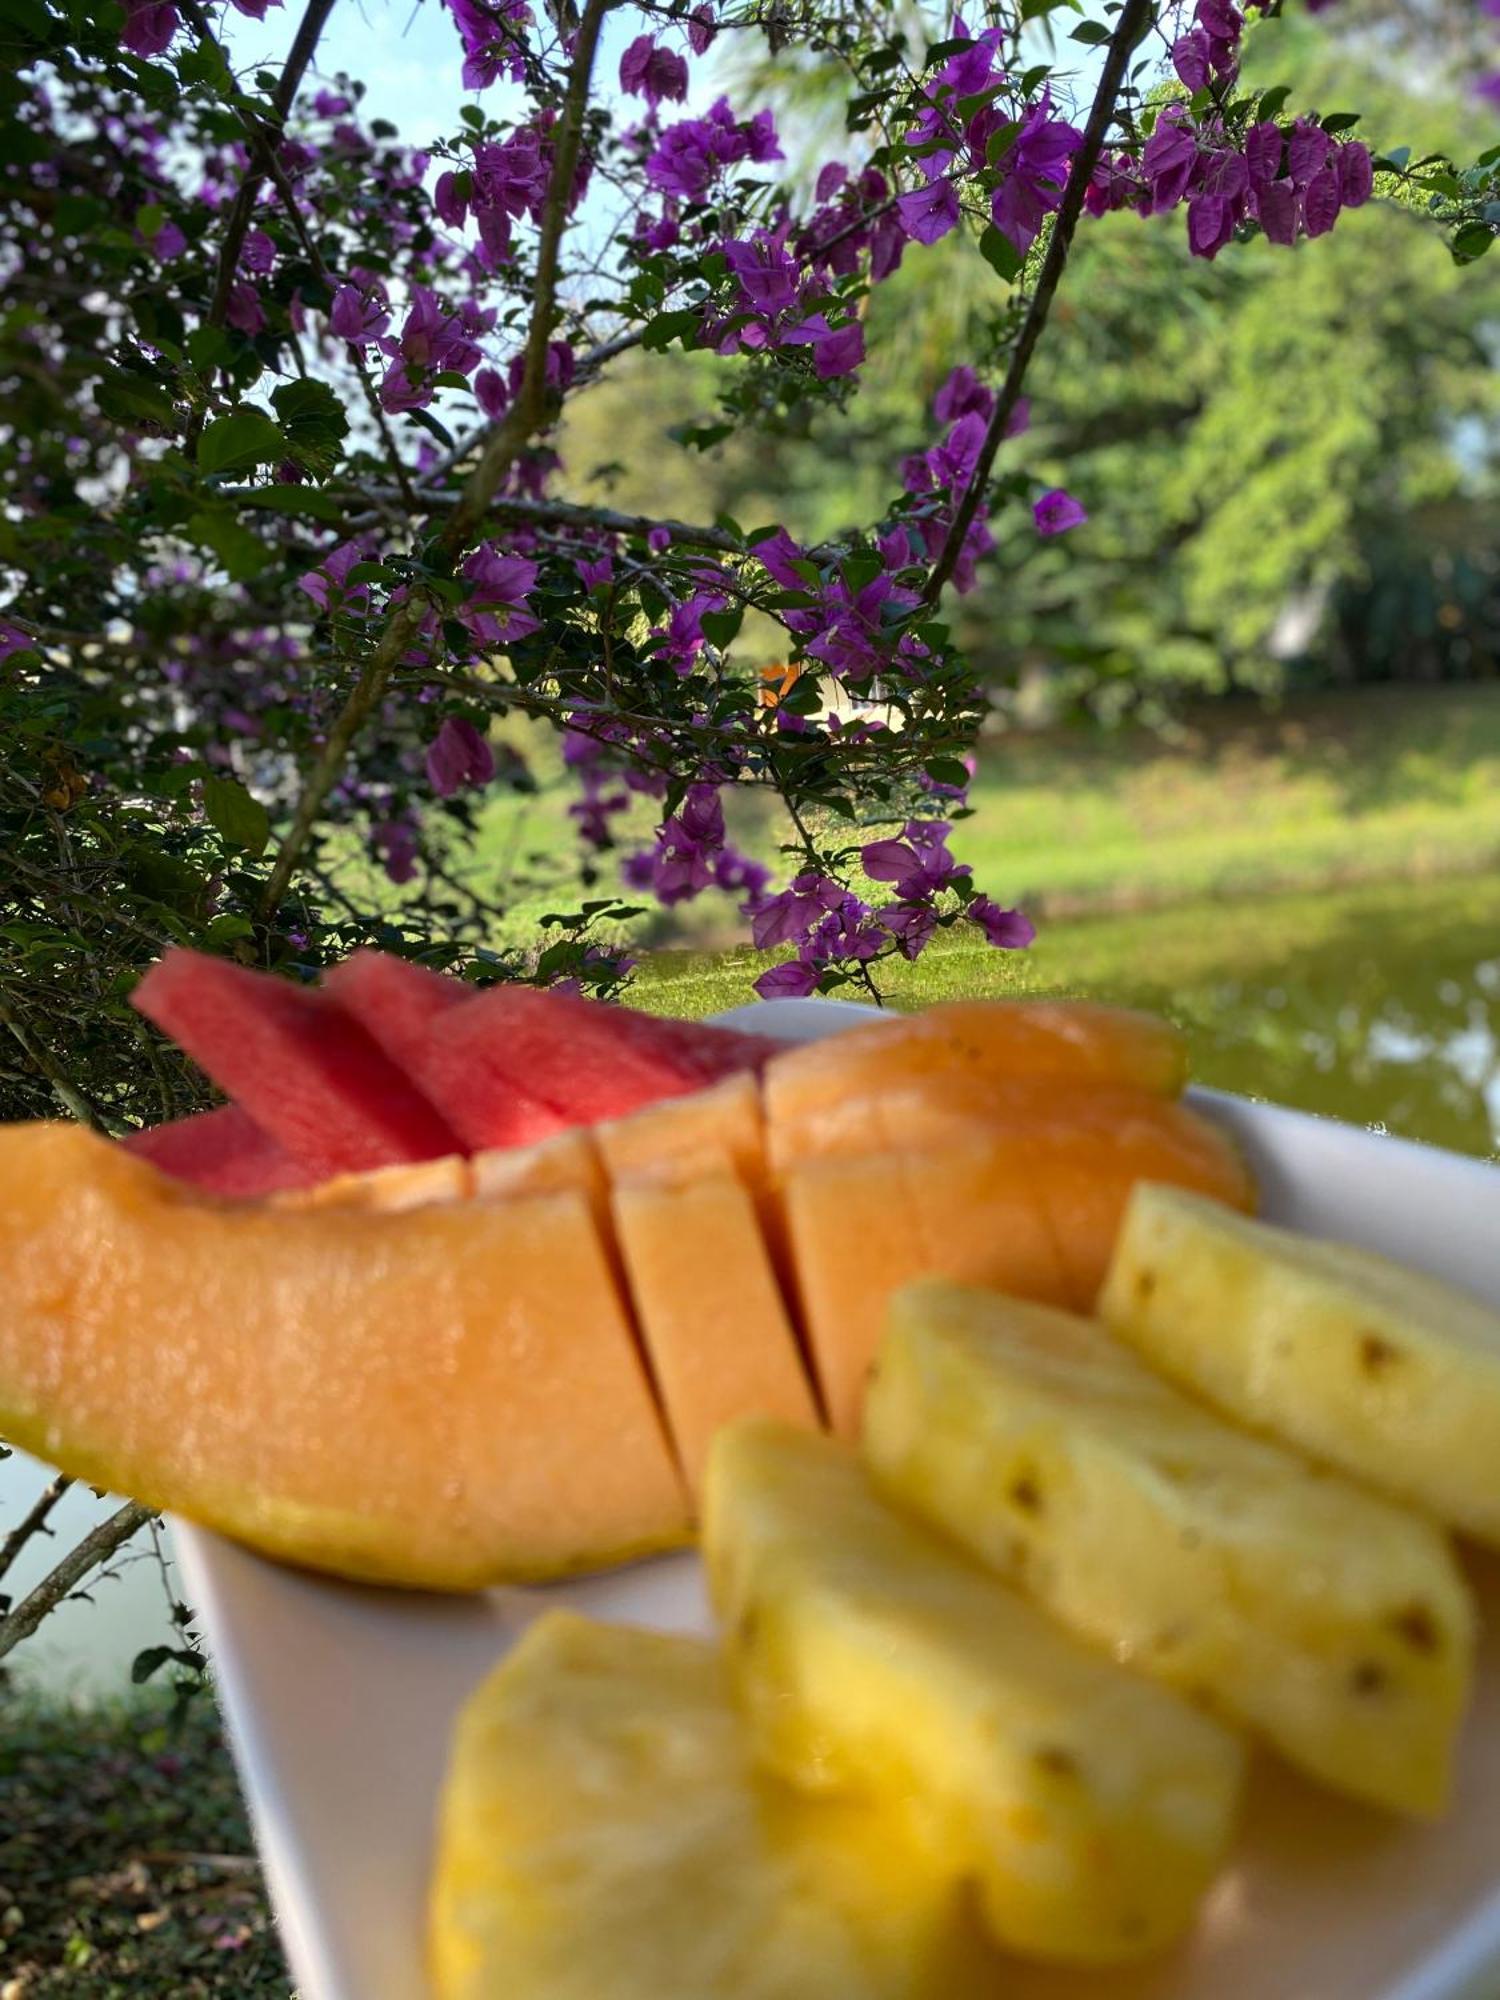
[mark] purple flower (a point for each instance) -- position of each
(701, 30)
(766, 271)
(1007, 930)
(1263, 152)
(1210, 225)
(1321, 202)
(357, 315)
(458, 756)
(168, 242)
(1307, 153)
(912, 926)
(1192, 58)
(491, 394)
(13, 639)
(794, 979)
(1170, 157)
(258, 253)
(650, 71)
(962, 393)
(930, 212)
(599, 570)
(396, 844)
(149, 26)
(331, 104)
(496, 611)
(835, 350)
(256, 9)
(1275, 206)
(487, 31)
(244, 308)
(1036, 168)
(918, 867)
(333, 576)
(1058, 511)
(1356, 172)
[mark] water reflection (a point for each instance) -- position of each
(1378, 1007)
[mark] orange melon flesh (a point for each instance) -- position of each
(679, 1137)
(444, 1397)
(386, 1190)
(862, 1227)
(977, 1040)
(715, 1326)
(1083, 1147)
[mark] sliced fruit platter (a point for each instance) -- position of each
(1080, 1547)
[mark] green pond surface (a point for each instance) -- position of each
(1379, 1005)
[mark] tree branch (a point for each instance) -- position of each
(524, 418)
(34, 1522)
(303, 48)
(96, 1547)
(1135, 18)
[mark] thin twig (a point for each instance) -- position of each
(96, 1547)
(34, 1522)
(63, 1089)
(238, 226)
(1135, 17)
(524, 419)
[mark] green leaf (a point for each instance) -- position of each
(1339, 121)
(721, 627)
(241, 553)
(131, 399)
(313, 421)
(239, 442)
(1093, 34)
(243, 820)
(1002, 256)
(948, 771)
(1472, 241)
(1272, 102)
(659, 333)
(308, 500)
(145, 1664)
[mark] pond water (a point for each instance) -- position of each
(1379, 1005)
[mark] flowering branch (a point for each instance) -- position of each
(1135, 18)
(525, 417)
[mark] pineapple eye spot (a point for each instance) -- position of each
(1145, 1285)
(746, 1630)
(1056, 1762)
(1376, 1354)
(1026, 1494)
(1369, 1677)
(1417, 1626)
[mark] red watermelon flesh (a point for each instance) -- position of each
(224, 1151)
(301, 1068)
(585, 1059)
(402, 1006)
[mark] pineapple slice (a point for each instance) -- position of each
(1333, 1622)
(604, 1837)
(1388, 1375)
(1091, 1808)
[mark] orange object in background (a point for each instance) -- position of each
(776, 683)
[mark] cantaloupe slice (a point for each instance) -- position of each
(1081, 1146)
(676, 1138)
(445, 1397)
(862, 1227)
(978, 1040)
(710, 1310)
(387, 1190)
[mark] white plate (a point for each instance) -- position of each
(339, 1699)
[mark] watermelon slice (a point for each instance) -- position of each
(401, 1006)
(224, 1151)
(301, 1068)
(585, 1060)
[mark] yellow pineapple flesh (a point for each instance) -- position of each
(1332, 1621)
(604, 1836)
(1090, 1808)
(1383, 1372)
